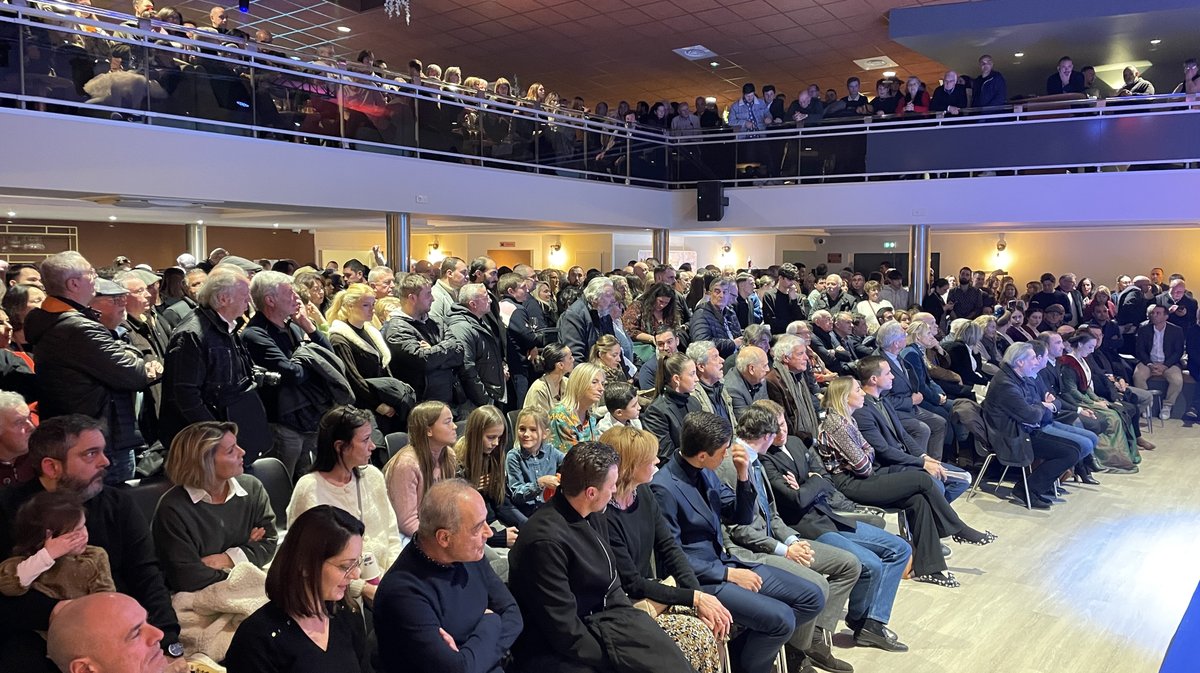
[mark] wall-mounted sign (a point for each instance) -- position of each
(833, 258)
(508, 244)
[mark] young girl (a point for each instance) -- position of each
(532, 465)
(52, 553)
(482, 465)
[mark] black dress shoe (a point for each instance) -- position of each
(1035, 502)
(1089, 479)
(875, 634)
(820, 653)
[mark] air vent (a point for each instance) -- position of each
(875, 63)
(150, 202)
(697, 52)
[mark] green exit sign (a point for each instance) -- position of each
(889, 245)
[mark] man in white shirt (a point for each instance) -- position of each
(1159, 350)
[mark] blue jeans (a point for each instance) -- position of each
(883, 557)
(952, 488)
(769, 616)
(1086, 439)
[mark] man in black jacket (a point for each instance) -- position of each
(272, 337)
(483, 374)
(209, 373)
(828, 345)
(577, 616)
(949, 98)
(522, 338)
(422, 356)
(81, 366)
(587, 318)
(785, 304)
(68, 453)
(1131, 311)
(712, 322)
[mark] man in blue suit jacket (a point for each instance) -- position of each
(767, 602)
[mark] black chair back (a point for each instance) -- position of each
(275, 479)
(393, 443)
(146, 494)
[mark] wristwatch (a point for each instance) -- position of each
(175, 650)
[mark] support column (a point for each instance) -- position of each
(197, 240)
(399, 241)
(660, 244)
(918, 262)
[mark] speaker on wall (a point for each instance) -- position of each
(710, 201)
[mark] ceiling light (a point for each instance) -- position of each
(199, 221)
(112, 218)
(12, 213)
(1155, 41)
(1019, 54)
(875, 62)
(710, 99)
(715, 63)
(276, 225)
(343, 29)
(889, 73)
(696, 52)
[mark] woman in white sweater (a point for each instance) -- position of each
(343, 477)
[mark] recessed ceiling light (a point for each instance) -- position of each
(199, 221)
(1156, 41)
(112, 218)
(1019, 54)
(343, 29)
(889, 73)
(12, 213)
(276, 225)
(715, 63)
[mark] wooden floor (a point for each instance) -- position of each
(1096, 584)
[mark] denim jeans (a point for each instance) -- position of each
(883, 557)
(952, 488)
(1086, 439)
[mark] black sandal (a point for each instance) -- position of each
(988, 538)
(942, 579)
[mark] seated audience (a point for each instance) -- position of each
(871, 306)
(640, 541)
(665, 343)
(588, 317)
(215, 516)
(1159, 352)
(656, 310)
(577, 615)
(342, 475)
(802, 497)
(573, 419)
(104, 633)
(1016, 417)
(1118, 445)
(531, 467)
(308, 602)
(547, 391)
(787, 386)
(481, 464)
(746, 383)
(926, 427)
(16, 465)
(427, 459)
(607, 355)
(768, 540)
(674, 399)
(964, 354)
(852, 464)
(624, 407)
(770, 604)
(442, 607)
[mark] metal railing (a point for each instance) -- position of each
(72, 59)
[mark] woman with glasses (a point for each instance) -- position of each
(342, 476)
(308, 626)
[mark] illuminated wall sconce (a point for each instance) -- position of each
(557, 257)
(1002, 258)
(435, 255)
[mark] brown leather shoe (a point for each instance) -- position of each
(1145, 445)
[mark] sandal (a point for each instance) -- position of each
(942, 579)
(988, 538)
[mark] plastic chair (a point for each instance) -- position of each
(146, 493)
(278, 483)
(394, 442)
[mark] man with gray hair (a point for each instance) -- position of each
(272, 336)
(788, 386)
(484, 374)
(81, 366)
(746, 382)
(381, 279)
(926, 428)
(710, 389)
(441, 606)
(15, 426)
(588, 318)
(209, 372)
(715, 321)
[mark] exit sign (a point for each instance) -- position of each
(508, 244)
(889, 245)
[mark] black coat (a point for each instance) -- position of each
(664, 417)
(579, 327)
(271, 348)
(780, 310)
(522, 334)
(805, 509)
(482, 373)
(709, 324)
(1011, 410)
(209, 376)
(892, 443)
(433, 369)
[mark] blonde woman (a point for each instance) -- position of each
(990, 347)
(362, 349)
(572, 420)
(428, 458)
(216, 515)
(606, 354)
(870, 306)
(637, 531)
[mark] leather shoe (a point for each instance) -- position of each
(1089, 479)
(820, 653)
(1145, 445)
(875, 634)
(1035, 501)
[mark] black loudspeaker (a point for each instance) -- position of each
(710, 201)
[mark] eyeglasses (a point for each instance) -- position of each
(347, 570)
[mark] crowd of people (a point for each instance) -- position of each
(473, 115)
(495, 469)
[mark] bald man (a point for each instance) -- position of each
(104, 633)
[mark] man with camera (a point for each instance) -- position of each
(209, 372)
